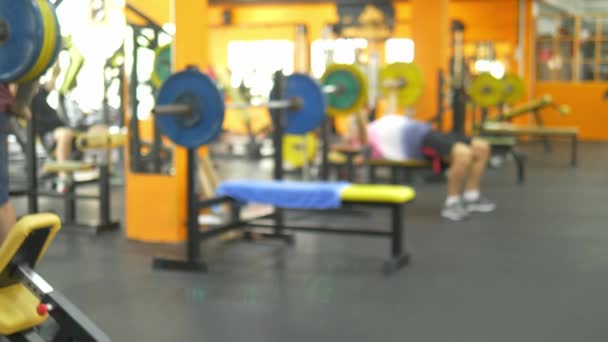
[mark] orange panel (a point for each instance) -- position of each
(589, 110)
(156, 204)
(430, 28)
(158, 10)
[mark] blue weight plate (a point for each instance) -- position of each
(22, 30)
(210, 107)
(312, 112)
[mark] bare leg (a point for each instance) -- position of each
(461, 159)
(8, 218)
(481, 154)
(63, 137)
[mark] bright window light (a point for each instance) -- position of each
(250, 63)
(399, 50)
(323, 52)
(495, 68)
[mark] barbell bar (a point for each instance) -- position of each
(190, 108)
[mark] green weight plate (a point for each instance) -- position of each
(410, 75)
(514, 88)
(162, 65)
(486, 91)
(351, 93)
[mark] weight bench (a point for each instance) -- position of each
(288, 195)
(27, 300)
(346, 156)
(505, 129)
(71, 196)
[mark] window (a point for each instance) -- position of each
(570, 47)
(555, 48)
(252, 63)
(399, 50)
(324, 52)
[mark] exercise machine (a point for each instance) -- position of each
(27, 301)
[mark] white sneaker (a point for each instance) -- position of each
(455, 212)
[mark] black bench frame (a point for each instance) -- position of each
(275, 230)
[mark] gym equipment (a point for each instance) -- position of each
(486, 91)
(514, 89)
(84, 141)
(146, 154)
(534, 106)
(26, 299)
(299, 150)
(404, 80)
(76, 64)
(501, 127)
(458, 75)
(321, 196)
(538, 131)
(190, 108)
(353, 83)
(29, 39)
(95, 141)
(162, 65)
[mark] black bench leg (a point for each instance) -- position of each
(574, 157)
(520, 165)
(394, 175)
(372, 174)
(399, 258)
(350, 168)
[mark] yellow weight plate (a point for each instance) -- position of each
(514, 88)
(486, 90)
(48, 45)
(352, 85)
(411, 78)
(298, 149)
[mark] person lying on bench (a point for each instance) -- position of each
(397, 137)
(54, 133)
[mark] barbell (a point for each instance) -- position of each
(403, 80)
(487, 91)
(190, 108)
(30, 39)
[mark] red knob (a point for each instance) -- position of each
(42, 309)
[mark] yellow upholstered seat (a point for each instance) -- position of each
(17, 304)
(67, 166)
(378, 193)
(18, 310)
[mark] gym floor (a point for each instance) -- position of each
(535, 270)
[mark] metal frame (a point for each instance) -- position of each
(33, 193)
(278, 229)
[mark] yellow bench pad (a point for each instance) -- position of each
(17, 303)
(67, 166)
(378, 193)
(528, 130)
(18, 310)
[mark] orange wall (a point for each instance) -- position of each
(589, 110)
(487, 19)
